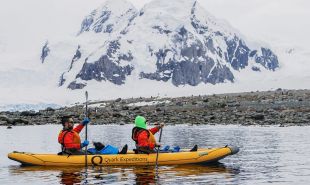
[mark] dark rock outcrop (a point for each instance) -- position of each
(45, 51)
(107, 68)
(76, 57)
(268, 59)
(194, 67)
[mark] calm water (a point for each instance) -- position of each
(267, 155)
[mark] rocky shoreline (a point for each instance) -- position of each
(280, 107)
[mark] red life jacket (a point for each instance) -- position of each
(70, 139)
(150, 142)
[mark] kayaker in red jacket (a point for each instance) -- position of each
(69, 137)
(145, 139)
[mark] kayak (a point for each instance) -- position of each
(201, 156)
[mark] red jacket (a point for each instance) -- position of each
(71, 139)
(143, 138)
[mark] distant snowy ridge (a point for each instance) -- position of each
(27, 107)
(176, 42)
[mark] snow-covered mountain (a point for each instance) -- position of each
(176, 42)
(158, 48)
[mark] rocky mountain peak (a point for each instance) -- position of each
(176, 42)
(111, 16)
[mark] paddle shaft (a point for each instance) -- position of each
(86, 114)
(161, 131)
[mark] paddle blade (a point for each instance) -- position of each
(86, 95)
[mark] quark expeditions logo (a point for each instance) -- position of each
(99, 160)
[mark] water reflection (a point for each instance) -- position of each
(123, 175)
(145, 175)
(65, 175)
(69, 177)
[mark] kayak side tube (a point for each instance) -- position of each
(202, 156)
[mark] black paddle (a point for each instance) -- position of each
(86, 115)
(161, 131)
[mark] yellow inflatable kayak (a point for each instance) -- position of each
(202, 156)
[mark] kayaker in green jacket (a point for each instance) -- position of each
(144, 138)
